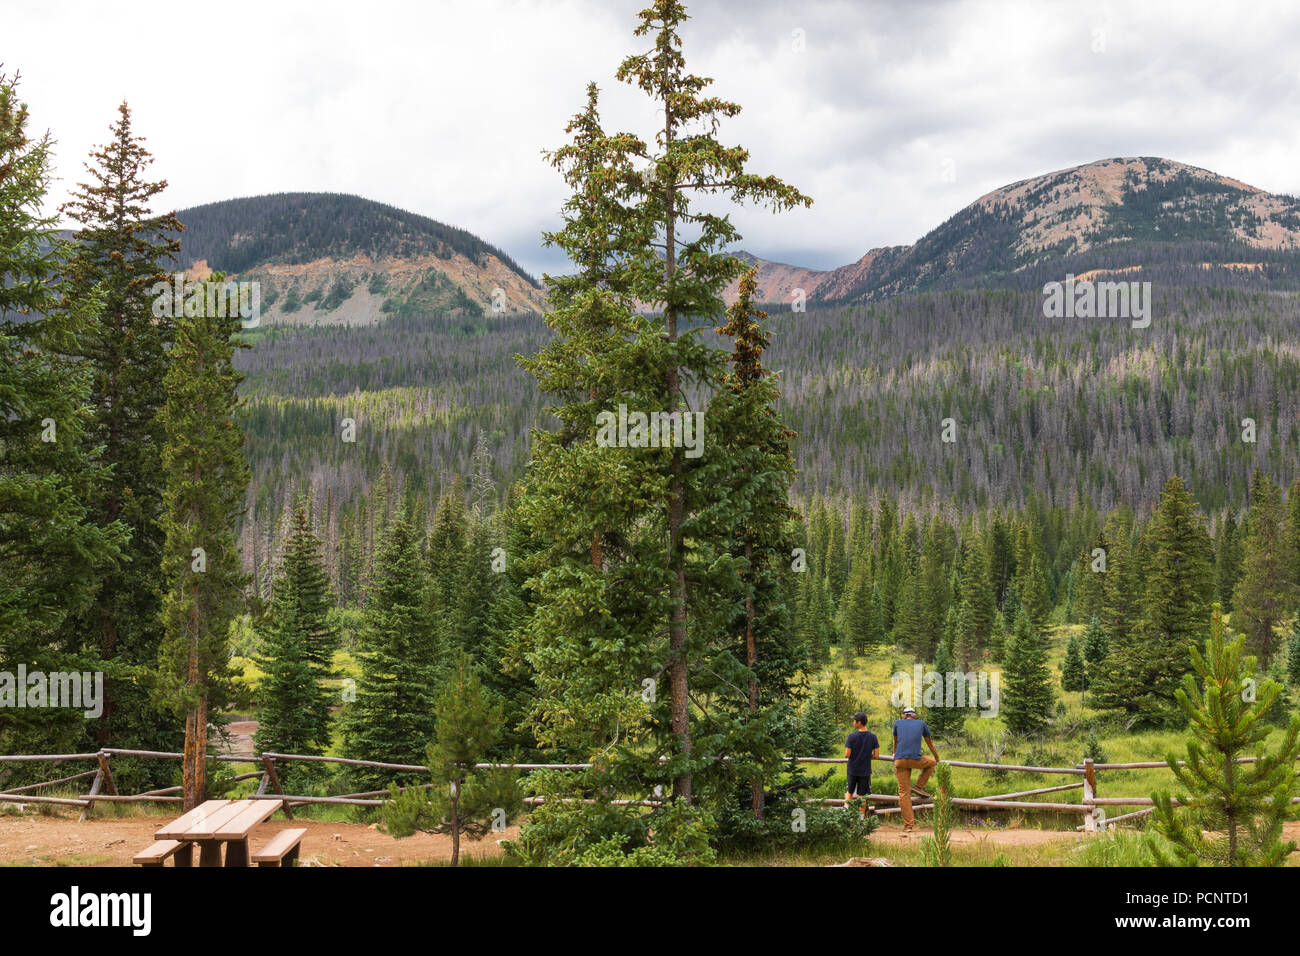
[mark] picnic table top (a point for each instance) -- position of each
(219, 820)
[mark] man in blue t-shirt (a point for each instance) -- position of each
(860, 748)
(908, 734)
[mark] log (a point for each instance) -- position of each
(1032, 793)
(269, 765)
(50, 783)
(346, 761)
(30, 757)
(64, 801)
(286, 799)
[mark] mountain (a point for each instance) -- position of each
(1107, 215)
(333, 259)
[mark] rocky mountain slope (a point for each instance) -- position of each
(1110, 214)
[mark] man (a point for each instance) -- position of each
(860, 748)
(908, 734)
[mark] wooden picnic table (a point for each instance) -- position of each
(215, 822)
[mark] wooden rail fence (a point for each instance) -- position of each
(103, 788)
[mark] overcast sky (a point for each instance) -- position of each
(892, 116)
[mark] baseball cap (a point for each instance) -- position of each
(909, 710)
(860, 717)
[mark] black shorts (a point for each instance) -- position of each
(859, 786)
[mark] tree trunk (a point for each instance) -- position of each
(679, 680)
(751, 658)
(455, 823)
(194, 765)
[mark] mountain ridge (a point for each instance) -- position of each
(1094, 209)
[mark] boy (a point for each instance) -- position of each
(860, 748)
(908, 736)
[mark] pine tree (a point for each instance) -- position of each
(1089, 588)
(475, 588)
(445, 557)
(1230, 814)
(1095, 645)
(120, 253)
(752, 502)
(1265, 594)
(464, 798)
(942, 718)
(932, 590)
(1027, 698)
(910, 619)
(937, 848)
(1073, 675)
(690, 162)
(1292, 533)
(1293, 657)
(975, 614)
(1228, 555)
(858, 609)
(836, 561)
(1123, 586)
(1143, 670)
(298, 643)
(392, 718)
(206, 477)
(1033, 593)
(54, 552)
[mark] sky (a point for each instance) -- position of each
(892, 116)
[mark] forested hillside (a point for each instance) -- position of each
(1068, 410)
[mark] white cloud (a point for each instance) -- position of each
(444, 108)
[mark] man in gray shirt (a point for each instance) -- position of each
(908, 734)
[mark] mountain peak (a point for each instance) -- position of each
(1073, 218)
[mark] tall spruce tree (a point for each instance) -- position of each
(1228, 556)
(1026, 695)
(121, 252)
(205, 479)
(298, 644)
(1142, 673)
(1292, 532)
(975, 613)
(392, 718)
(54, 553)
(667, 254)
(1265, 593)
(1073, 673)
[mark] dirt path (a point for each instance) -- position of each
(62, 841)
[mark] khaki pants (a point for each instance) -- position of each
(903, 770)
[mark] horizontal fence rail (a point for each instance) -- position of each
(103, 789)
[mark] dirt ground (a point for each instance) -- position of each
(32, 839)
(113, 841)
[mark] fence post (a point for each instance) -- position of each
(109, 786)
(1089, 793)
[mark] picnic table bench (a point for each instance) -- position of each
(210, 825)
